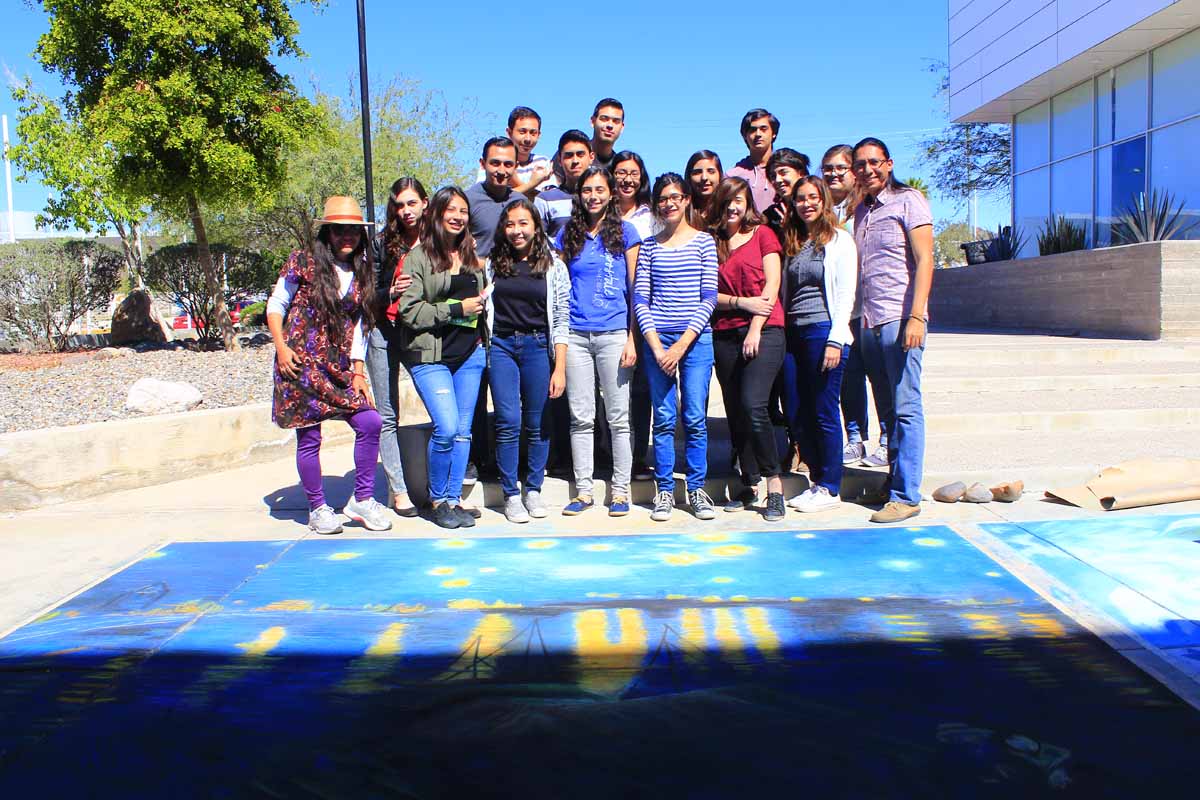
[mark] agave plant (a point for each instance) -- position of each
(1006, 244)
(1151, 219)
(1061, 235)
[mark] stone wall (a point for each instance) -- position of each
(1141, 291)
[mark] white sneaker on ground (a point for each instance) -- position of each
(818, 499)
(372, 514)
(664, 504)
(514, 510)
(799, 500)
(324, 520)
(535, 505)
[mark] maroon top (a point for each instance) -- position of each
(742, 276)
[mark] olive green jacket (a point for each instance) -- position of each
(425, 312)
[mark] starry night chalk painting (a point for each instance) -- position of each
(852, 663)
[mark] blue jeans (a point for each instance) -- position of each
(812, 397)
(854, 393)
(896, 378)
(385, 369)
(519, 374)
(693, 374)
(449, 397)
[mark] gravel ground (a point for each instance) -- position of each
(78, 392)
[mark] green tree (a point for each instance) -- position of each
(47, 285)
(187, 97)
(178, 271)
(966, 157)
(947, 250)
(79, 168)
(919, 184)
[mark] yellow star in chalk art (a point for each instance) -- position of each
(437, 571)
(929, 542)
(722, 579)
(710, 537)
(541, 544)
(452, 544)
(681, 559)
(806, 536)
(596, 548)
(730, 550)
(456, 583)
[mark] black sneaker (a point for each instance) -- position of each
(465, 518)
(743, 500)
(445, 517)
(701, 503)
(471, 475)
(775, 510)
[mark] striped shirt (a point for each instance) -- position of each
(676, 287)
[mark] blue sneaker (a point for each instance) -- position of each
(578, 506)
(619, 506)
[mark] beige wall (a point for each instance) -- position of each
(1143, 291)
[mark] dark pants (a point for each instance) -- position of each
(639, 413)
(746, 387)
(519, 376)
(813, 400)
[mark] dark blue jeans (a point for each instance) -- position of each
(812, 397)
(519, 374)
(854, 393)
(694, 373)
(449, 397)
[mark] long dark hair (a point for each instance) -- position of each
(439, 243)
(726, 190)
(327, 289)
(797, 231)
(642, 198)
(504, 256)
(393, 237)
(696, 215)
(893, 182)
(612, 232)
(666, 181)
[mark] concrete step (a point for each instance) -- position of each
(1000, 357)
(1080, 367)
(1068, 381)
(1069, 398)
(1095, 421)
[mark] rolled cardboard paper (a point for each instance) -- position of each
(1135, 484)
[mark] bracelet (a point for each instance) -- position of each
(735, 303)
(924, 320)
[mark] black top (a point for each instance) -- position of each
(459, 341)
(520, 302)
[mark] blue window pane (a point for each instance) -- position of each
(1071, 121)
(1173, 169)
(1071, 192)
(1120, 179)
(1031, 137)
(1031, 204)
(1176, 87)
(1121, 96)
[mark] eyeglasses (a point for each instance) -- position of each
(873, 163)
(675, 198)
(622, 174)
(834, 169)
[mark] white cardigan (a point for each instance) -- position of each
(841, 285)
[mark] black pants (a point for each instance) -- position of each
(746, 387)
(639, 413)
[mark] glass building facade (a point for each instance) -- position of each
(1090, 151)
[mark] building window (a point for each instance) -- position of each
(1176, 83)
(1120, 179)
(1071, 192)
(1121, 96)
(1031, 137)
(1172, 169)
(1031, 206)
(1071, 121)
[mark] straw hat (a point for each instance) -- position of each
(342, 210)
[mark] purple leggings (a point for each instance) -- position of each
(366, 424)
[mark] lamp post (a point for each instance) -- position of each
(366, 114)
(12, 223)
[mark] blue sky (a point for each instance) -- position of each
(829, 75)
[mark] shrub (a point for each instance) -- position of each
(176, 270)
(254, 314)
(47, 286)
(1061, 235)
(1006, 244)
(1151, 220)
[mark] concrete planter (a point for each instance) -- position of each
(1139, 291)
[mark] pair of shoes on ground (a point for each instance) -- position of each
(745, 500)
(698, 500)
(520, 510)
(369, 513)
(856, 453)
(813, 499)
(619, 506)
(452, 517)
(978, 493)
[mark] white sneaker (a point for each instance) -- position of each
(323, 520)
(818, 498)
(799, 500)
(535, 505)
(372, 514)
(514, 509)
(664, 503)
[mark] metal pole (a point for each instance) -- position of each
(365, 109)
(12, 221)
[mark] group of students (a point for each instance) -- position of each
(555, 277)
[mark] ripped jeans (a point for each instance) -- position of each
(449, 397)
